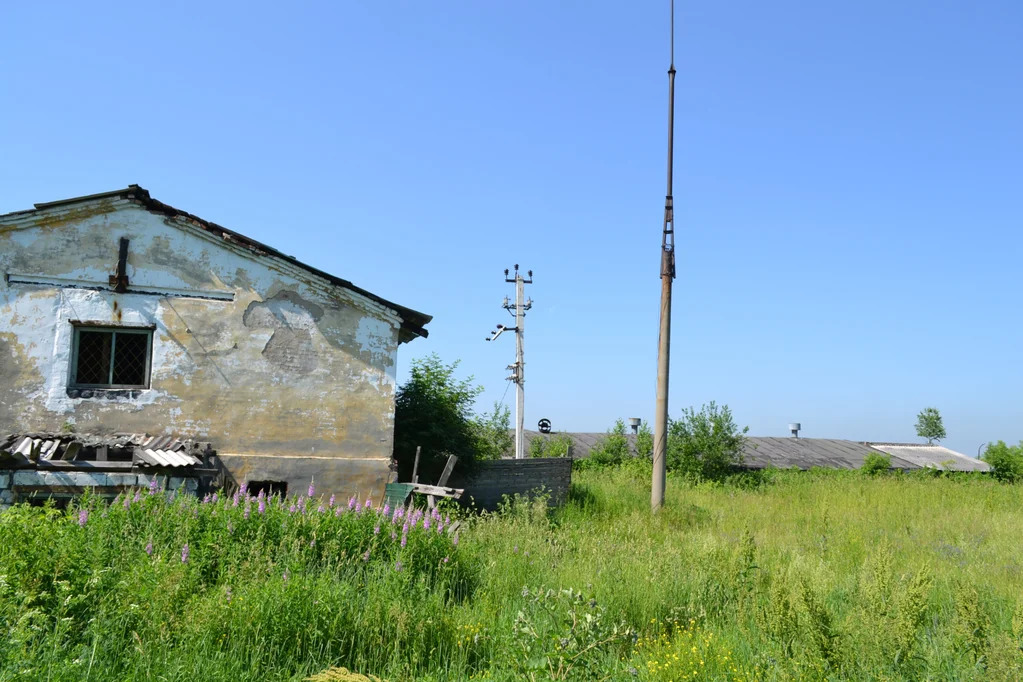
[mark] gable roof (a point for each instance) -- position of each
(413, 322)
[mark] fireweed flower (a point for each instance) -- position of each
(320, 509)
(127, 501)
(454, 540)
(376, 531)
(153, 486)
(404, 540)
(138, 495)
(337, 511)
(184, 554)
(291, 509)
(214, 498)
(285, 576)
(369, 503)
(397, 565)
(331, 502)
(206, 499)
(426, 524)
(386, 510)
(447, 559)
(262, 503)
(351, 502)
(83, 517)
(246, 514)
(312, 489)
(149, 548)
(365, 557)
(394, 536)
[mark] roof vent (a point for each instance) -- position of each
(794, 429)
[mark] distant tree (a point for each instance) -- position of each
(1006, 461)
(929, 426)
(644, 441)
(494, 438)
(433, 409)
(705, 445)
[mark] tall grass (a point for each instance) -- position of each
(809, 576)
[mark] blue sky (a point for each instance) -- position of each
(848, 184)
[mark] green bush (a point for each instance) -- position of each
(1006, 461)
(609, 451)
(876, 463)
(705, 445)
(557, 445)
(494, 437)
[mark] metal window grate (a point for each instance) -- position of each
(94, 357)
(111, 358)
(130, 359)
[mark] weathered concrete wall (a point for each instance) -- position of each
(493, 480)
(288, 376)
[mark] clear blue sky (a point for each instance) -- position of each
(849, 183)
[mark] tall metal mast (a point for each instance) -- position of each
(667, 275)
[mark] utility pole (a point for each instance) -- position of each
(519, 368)
(667, 275)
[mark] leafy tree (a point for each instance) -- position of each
(644, 441)
(929, 426)
(494, 438)
(433, 409)
(705, 445)
(1006, 461)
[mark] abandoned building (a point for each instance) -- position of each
(139, 341)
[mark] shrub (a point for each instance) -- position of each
(609, 451)
(1006, 461)
(494, 437)
(705, 445)
(876, 463)
(558, 445)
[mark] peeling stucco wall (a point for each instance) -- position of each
(289, 376)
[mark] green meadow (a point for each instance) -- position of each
(789, 576)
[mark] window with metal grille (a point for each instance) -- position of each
(111, 357)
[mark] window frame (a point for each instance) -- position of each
(80, 327)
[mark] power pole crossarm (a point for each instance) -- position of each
(519, 368)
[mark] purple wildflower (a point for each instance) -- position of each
(312, 543)
(394, 536)
(184, 554)
(331, 503)
(397, 565)
(244, 490)
(235, 498)
(83, 517)
(247, 510)
(262, 502)
(214, 498)
(206, 499)
(369, 503)
(138, 495)
(386, 510)
(312, 489)
(262, 494)
(292, 508)
(426, 523)
(228, 594)
(365, 557)
(154, 487)
(447, 559)
(337, 511)
(404, 540)
(351, 502)
(285, 576)
(320, 509)
(376, 531)
(454, 540)
(149, 548)
(127, 501)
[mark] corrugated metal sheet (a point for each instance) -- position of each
(145, 450)
(934, 456)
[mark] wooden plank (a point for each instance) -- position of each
(438, 491)
(415, 467)
(446, 474)
(73, 448)
(101, 453)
